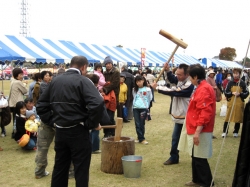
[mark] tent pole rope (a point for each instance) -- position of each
(223, 141)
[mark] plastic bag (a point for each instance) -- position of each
(223, 110)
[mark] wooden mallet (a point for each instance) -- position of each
(178, 43)
(117, 127)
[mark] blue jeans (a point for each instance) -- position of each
(31, 144)
(140, 117)
(95, 140)
(174, 153)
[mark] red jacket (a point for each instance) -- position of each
(201, 109)
(110, 100)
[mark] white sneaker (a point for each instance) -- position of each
(3, 135)
(223, 134)
(144, 142)
(136, 141)
(235, 135)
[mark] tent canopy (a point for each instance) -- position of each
(37, 50)
(220, 63)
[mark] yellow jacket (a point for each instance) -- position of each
(32, 126)
(123, 93)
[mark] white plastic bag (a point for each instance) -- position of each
(3, 101)
(223, 110)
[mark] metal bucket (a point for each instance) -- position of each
(132, 166)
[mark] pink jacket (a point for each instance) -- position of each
(101, 80)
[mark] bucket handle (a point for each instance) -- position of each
(137, 160)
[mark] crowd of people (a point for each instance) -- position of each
(73, 106)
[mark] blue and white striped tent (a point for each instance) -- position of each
(39, 50)
(220, 63)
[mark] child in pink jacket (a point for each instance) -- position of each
(98, 71)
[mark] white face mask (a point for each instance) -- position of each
(229, 78)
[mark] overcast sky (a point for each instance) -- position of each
(205, 25)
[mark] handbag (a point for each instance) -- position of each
(5, 116)
(218, 95)
(24, 140)
(3, 102)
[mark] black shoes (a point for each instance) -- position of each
(126, 121)
(169, 162)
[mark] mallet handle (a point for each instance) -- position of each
(108, 126)
(163, 69)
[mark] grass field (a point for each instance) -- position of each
(17, 166)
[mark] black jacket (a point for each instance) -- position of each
(243, 94)
(242, 171)
(130, 82)
(72, 98)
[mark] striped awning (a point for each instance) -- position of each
(37, 50)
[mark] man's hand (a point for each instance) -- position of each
(166, 67)
(98, 128)
(154, 85)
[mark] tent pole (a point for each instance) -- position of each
(2, 76)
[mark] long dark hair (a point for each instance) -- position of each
(19, 105)
(139, 78)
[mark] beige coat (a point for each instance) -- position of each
(17, 90)
(237, 110)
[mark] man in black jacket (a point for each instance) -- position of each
(74, 106)
(130, 82)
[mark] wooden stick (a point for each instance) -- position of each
(118, 129)
(109, 126)
(163, 69)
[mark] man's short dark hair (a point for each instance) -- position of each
(93, 77)
(78, 61)
(184, 67)
(149, 71)
(37, 76)
(16, 72)
(28, 100)
(197, 70)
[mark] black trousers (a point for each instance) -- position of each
(72, 144)
(236, 127)
(201, 172)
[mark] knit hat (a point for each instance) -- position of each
(29, 113)
(108, 60)
(123, 75)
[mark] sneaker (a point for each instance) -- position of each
(3, 134)
(223, 135)
(235, 135)
(136, 141)
(191, 183)
(144, 142)
(46, 173)
(96, 152)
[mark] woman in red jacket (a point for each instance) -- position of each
(199, 126)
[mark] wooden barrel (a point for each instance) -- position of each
(113, 151)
